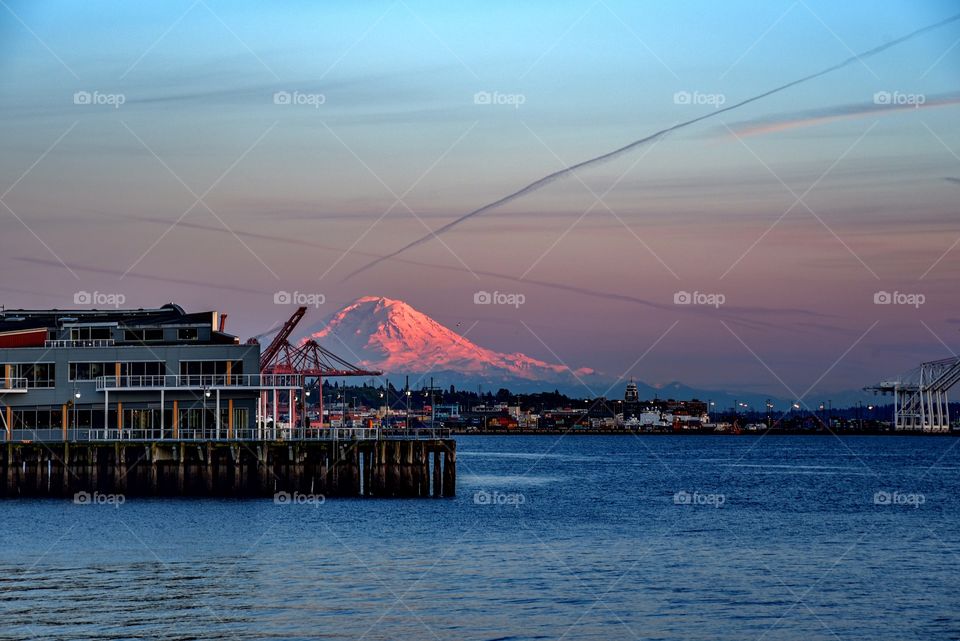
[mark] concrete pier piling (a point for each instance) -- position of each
(369, 468)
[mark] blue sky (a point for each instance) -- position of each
(297, 193)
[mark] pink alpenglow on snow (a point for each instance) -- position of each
(390, 335)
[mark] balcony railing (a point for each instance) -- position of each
(200, 382)
(94, 342)
(13, 385)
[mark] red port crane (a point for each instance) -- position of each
(307, 360)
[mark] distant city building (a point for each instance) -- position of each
(444, 412)
(631, 395)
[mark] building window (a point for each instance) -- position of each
(37, 374)
(187, 334)
(207, 371)
(143, 368)
(90, 371)
(90, 333)
(143, 335)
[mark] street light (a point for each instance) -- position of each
(408, 409)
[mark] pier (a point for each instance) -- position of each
(161, 402)
(381, 465)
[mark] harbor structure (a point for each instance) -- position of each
(920, 397)
(161, 401)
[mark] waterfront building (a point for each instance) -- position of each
(145, 373)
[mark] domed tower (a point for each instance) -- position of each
(631, 395)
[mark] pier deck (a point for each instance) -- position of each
(388, 466)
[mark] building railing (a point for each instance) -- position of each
(13, 384)
(93, 342)
(265, 433)
(199, 382)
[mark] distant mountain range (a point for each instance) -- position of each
(390, 335)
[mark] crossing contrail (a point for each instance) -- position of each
(549, 178)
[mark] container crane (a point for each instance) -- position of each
(307, 360)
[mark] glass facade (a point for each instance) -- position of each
(38, 375)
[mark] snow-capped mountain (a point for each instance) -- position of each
(390, 335)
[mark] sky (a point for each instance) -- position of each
(216, 153)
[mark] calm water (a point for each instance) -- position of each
(576, 538)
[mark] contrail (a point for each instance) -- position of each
(730, 312)
(549, 178)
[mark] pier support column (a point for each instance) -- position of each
(92, 453)
(10, 490)
(180, 463)
(120, 467)
(424, 469)
(208, 468)
(65, 461)
(450, 468)
(152, 453)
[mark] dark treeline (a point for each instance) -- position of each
(369, 394)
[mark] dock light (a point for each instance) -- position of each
(206, 393)
(307, 393)
(77, 395)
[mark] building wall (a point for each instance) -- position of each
(64, 391)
